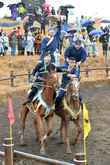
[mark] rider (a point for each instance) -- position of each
(50, 42)
(42, 68)
(66, 77)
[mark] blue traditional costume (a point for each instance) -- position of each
(65, 81)
(79, 55)
(49, 43)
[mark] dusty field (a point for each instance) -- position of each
(97, 101)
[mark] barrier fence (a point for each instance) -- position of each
(87, 70)
(19, 157)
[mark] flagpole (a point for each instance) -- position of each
(84, 139)
(11, 145)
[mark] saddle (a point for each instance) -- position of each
(41, 102)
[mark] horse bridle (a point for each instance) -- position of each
(52, 83)
(75, 97)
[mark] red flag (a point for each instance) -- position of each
(10, 114)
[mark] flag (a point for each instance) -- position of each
(87, 126)
(28, 61)
(10, 114)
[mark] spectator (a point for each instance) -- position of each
(75, 37)
(87, 46)
(1, 33)
(64, 20)
(105, 46)
(57, 56)
(77, 24)
(65, 43)
(21, 10)
(35, 10)
(14, 12)
(53, 11)
(82, 40)
(48, 10)
(109, 28)
(30, 44)
(24, 13)
(38, 45)
(36, 31)
(1, 46)
(82, 20)
(70, 37)
(39, 11)
(42, 25)
(106, 30)
(22, 44)
(60, 44)
(30, 8)
(89, 28)
(12, 43)
(25, 28)
(66, 14)
(5, 43)
(95, 51)
(31, 22)
(18, 35)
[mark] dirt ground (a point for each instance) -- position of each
(97, 101)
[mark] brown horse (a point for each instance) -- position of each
(69, 110)
(46, 96)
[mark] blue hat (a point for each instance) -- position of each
(50, 28)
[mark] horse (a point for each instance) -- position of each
(43, 106)
(69, 110)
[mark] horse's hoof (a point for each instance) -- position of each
(22, 144)
(68, 152)
(42, 152)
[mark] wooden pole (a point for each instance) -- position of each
(7, 145)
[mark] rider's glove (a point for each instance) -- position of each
(31, 80)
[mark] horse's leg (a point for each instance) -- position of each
(36, 130)
(40, 125)
(78, 125)
(49, 125)
(61, 130)
(68, 150)
(23, 115)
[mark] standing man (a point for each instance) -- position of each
(50, 42)
(76, 51)
(42, 25)
(53, 11)
(30, 8)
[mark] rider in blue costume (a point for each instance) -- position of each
(66, 77)
(76, 51)
(50, 42)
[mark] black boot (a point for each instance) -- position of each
(31, 95)
(56, 107)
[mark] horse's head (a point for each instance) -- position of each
(74, 87)
(53, 79)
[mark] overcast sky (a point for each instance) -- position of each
(82, 7)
